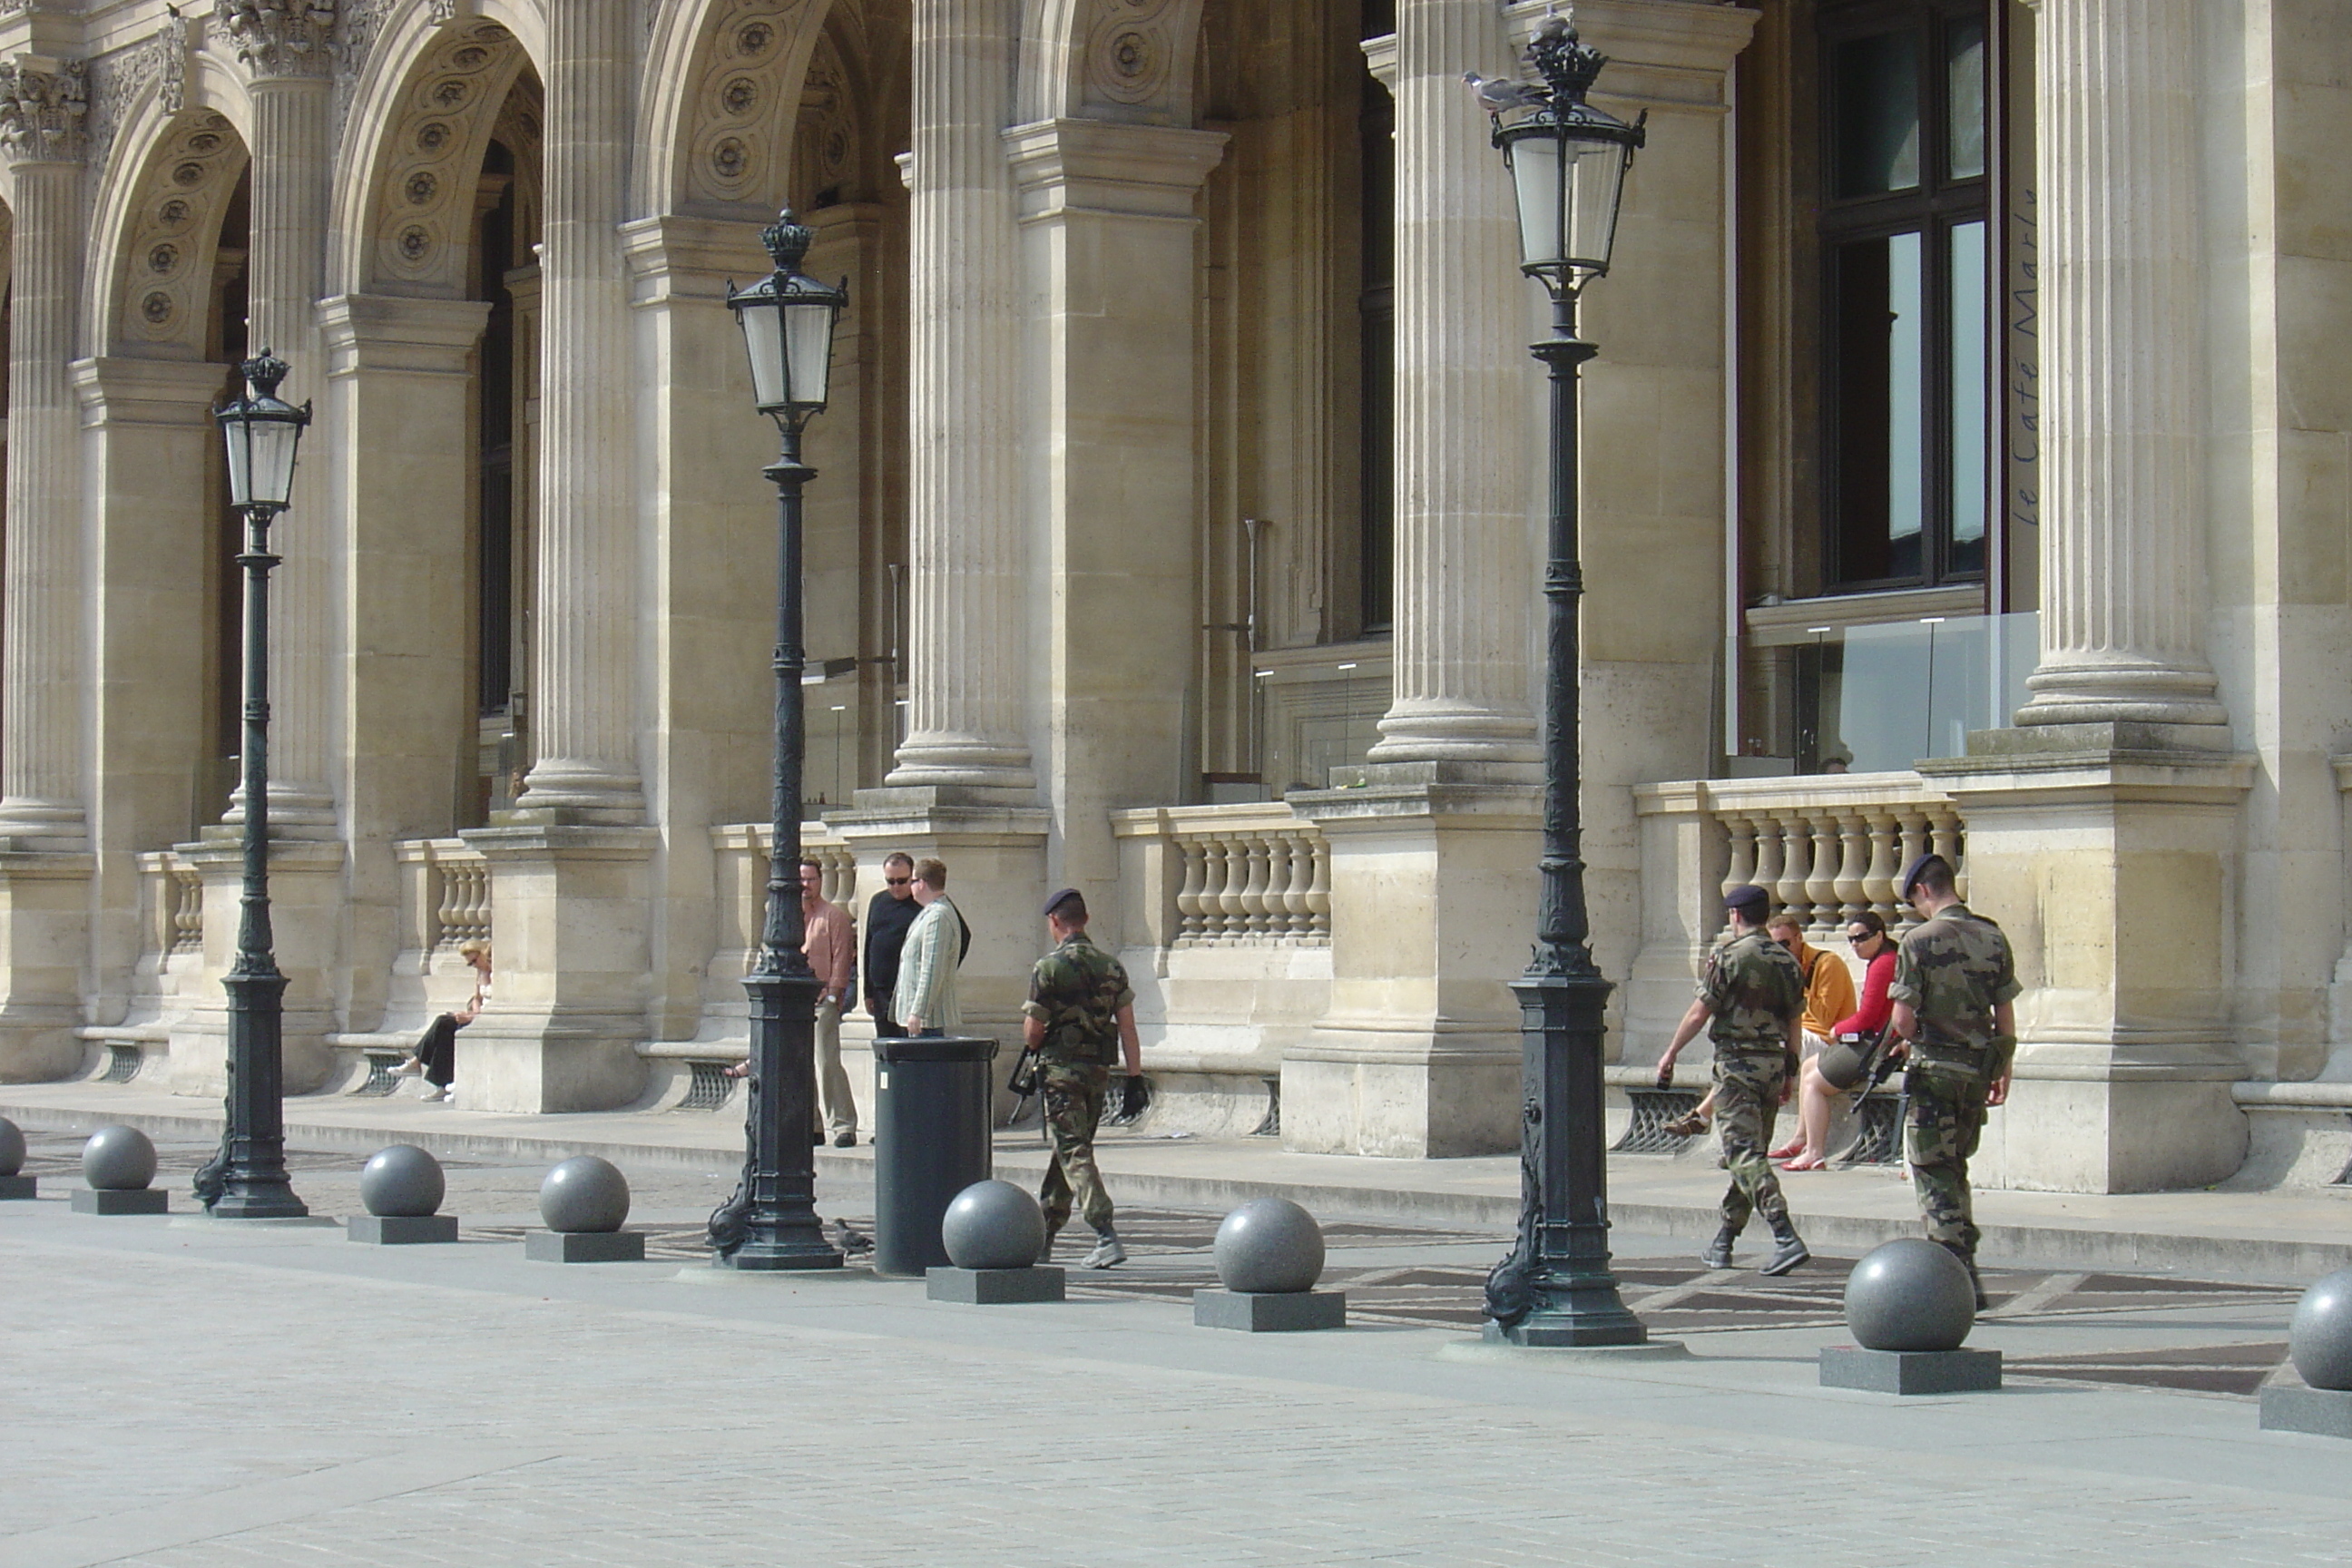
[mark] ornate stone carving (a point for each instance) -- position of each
(167, 273)
(427, 205)
(43, 103)
(170, 49)
(734, 155)
(825, 147)
(1138, 59)
(281, 37)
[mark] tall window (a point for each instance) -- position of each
(1376, 128)
(1903, 234)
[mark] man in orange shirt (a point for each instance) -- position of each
(829, 939)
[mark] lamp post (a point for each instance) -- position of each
(1568, 163)
(246, 1179)
(770, 1223)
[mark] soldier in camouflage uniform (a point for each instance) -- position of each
(1954, 980)
(1749, 999)
(1080, 1018)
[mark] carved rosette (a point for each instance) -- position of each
(281, 37)
(427, 203)
(733, 154)
(43, 103)
(168, 267)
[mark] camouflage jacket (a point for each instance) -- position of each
(1076, 991)
(1954, 970)
(1752, 986)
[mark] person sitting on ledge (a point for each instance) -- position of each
(437, 1053)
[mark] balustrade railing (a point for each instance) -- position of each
(187, 908)
(1828, 857)
(1242, 875)
(464, 912)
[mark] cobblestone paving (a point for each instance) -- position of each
(179, 1397)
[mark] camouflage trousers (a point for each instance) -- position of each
(1939, 1132)
(1073, 1093)
(1747, 1102)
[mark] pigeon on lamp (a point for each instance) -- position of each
(1496, 95)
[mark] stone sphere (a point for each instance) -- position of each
(118, 1160)
(12, 1147)
(1910, 1295)
(1269, 1247)
(584, 1195)
(2319, 1336)
(994, 1225)
(403, 1181)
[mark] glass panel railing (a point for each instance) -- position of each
(1876, 699)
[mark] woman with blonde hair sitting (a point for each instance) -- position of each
(437, 1054)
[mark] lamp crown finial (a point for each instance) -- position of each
(264, 371)
(1568, 66)
(788, 240)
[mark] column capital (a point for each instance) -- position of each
(1107, 167)
(281, 38)
(42, 102)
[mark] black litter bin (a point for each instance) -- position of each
(933, 1106)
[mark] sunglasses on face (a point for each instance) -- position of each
(900, 881)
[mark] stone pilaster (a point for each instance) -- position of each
(1107, 212)
(45, 869)
(584, 686)
(42, 788)
(283, 46)
(967, 655)
(2122, 498)
(1464, 318)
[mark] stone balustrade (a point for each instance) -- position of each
(1831, 854)
(1236, 876)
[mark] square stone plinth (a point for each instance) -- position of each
(1910, 1371)
(19, 1187)
(2298, 1408)
(1265, 1314)
(145, 1200)
(584, 1246)
(994, 1286)
(400, 1229)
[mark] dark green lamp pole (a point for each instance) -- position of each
(246, 1179)
(1566, 162)
(770, 1223)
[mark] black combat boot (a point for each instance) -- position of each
(1968, 1261)
(1718, 1251)
(1790, 1250)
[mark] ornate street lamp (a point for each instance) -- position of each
(770, 1223)
(1568, 163)
(246, 1179)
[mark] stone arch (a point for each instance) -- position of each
(714, 83)
(1129, 60)
(157, 301)
(429, 99)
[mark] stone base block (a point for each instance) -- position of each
(1257, 1312)
(584, 1246)
(2293, 1407)
(145, 1200)
(995, 1286)
(400, 1229)
(1910, 1371)
(19, 1187)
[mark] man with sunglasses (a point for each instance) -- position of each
(888, 917)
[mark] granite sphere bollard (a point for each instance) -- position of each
(584, 1196)
(584, 1200)
(12, 1162)
(1269, 1247)
(1910, 1295)
(994, 1225)
(2319, 1336)
(118, 1160)
(402, 1181)
(117, 1163)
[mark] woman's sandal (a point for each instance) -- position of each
(1788, 1151)
(1808, 1163)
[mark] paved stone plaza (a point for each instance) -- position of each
(185, 1395)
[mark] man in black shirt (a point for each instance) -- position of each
(892, 910)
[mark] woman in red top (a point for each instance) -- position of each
(1871, 943)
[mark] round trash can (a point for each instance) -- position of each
(933, 1111)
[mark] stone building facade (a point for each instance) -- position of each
(1177, 534)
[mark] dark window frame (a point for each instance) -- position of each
(1933, 209)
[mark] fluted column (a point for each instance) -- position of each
(583, 655)
(2123, 367)
(966, 667)
(283, 45)
(41, 777)
(1465, 550)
